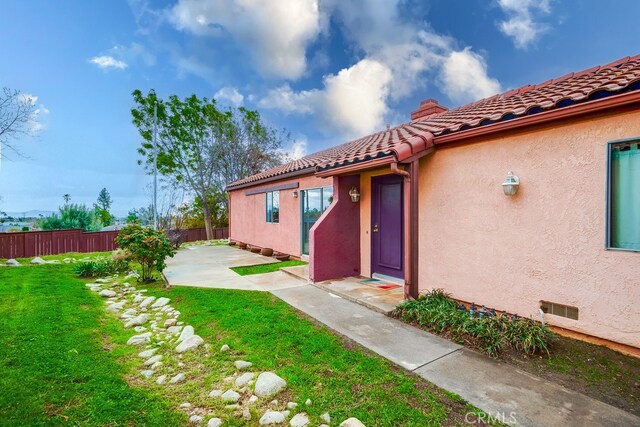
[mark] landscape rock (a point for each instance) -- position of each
(175, 330)
(161, 379)
(138, 298)
(107, 293)
(114, 308)
(160, 302)
(177, 378)
(147, 373)
(299, 420)
(244, 379)
(272, 417)
(156, 365)
(308, 402)
(253, 399)
(137, 321)
(326, 418)
(246, 413)
(190, 343)
(185, 405)
(292, 405)
(352, 422)
(242, 364)
(196, 419)
(12, 262)
(269, 384)
(186, 333)
(224, 348)
(37, 260)
(153, 360)
(140, 339)
(130, 312)
(147, 353)
(215, 393)
(214, 422)
(145, 302)
(230, 396)
(170, 322)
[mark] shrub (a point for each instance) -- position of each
(437, 311)
(146, 246)
(72, 216)
(100, 268)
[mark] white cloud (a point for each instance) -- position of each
(464, 75)
(521, 24)
(230, 95)
(277, 32)
(352, 102)
(38, 115)
(105, 62)
(395, 64)
(297, 150)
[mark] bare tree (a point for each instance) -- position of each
(17, 114)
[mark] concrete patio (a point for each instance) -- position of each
(508, 394)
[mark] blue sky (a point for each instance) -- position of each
(327, 71)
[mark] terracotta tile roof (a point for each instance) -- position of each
(592, 84)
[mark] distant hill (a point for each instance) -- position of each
(29, 214)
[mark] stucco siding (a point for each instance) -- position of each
(248, 216)
(545, 243)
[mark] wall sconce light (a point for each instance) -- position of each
(295, 194)
(510, 184)
(354, 194)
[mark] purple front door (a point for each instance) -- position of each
(387, 226)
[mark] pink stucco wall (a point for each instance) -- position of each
(547, 242)
(335, 238)
(248, 221)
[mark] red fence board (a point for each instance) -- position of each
(37, 243)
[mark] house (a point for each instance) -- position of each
(525, 201)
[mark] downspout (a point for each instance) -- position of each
(410, 230)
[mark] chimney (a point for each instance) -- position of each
(427, 108)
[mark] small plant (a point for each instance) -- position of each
(437, 311)
(100, 268)
(146, 246)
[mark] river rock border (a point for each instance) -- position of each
(164, 341)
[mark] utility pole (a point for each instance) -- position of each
(155, 164)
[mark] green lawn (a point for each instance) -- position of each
(55, 362)
(266, 268)
(64, 359)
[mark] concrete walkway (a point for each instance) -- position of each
(512, 396)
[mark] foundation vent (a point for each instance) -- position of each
(559, 309)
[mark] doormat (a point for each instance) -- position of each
(386, 287)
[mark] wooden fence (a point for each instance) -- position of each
(37, 243)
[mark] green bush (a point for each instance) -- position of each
(72, 216)
(100, 268)
(436, 311)
(146, 246)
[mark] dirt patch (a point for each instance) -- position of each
(593, 370)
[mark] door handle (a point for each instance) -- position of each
(375, 228)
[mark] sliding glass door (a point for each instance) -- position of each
(314, 202)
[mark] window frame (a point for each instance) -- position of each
(607, 231)
(269, 212)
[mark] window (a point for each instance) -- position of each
(273, 206)
(623, 229)
(314, 202)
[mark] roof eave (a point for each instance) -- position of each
(613, 101)
(287, 175)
